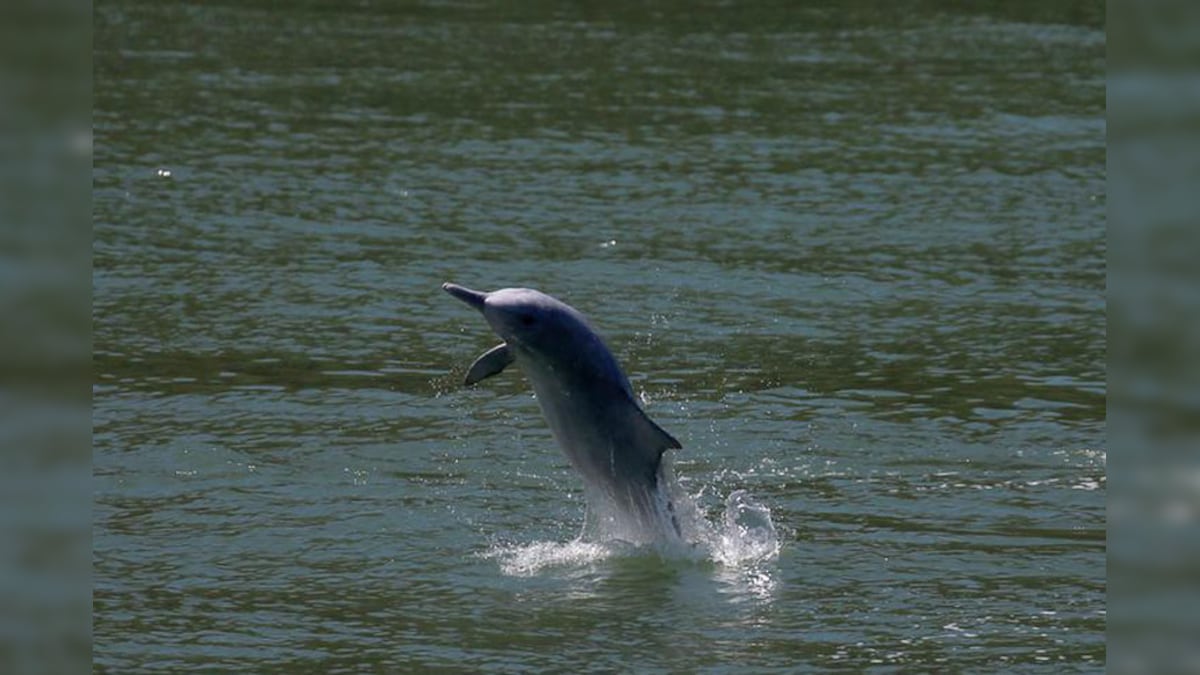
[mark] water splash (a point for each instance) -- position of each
(530, 559)
(747, 533)
(742, 538)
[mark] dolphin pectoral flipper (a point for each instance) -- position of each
(492, 362)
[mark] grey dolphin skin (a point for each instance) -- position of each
(584, 396)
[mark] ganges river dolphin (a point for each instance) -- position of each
(585, 398)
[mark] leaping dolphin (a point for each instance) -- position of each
(585, 398)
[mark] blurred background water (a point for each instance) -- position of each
(851, 257)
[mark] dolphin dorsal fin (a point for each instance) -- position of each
(649, 435)
(490, 363)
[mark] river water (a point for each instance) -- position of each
(852, 258)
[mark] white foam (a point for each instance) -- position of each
(530, 559)
(742, 538)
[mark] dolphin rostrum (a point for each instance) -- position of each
(585, 398)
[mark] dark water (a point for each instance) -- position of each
(853, 259)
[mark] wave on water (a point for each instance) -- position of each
(742, 536)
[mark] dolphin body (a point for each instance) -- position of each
(585, 398)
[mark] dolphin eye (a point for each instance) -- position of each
(526, 319)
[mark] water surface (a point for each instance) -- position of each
(852, 259)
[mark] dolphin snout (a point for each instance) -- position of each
(472, 298)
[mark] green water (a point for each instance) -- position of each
(853, 259)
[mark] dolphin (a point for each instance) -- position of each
(586, 400)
